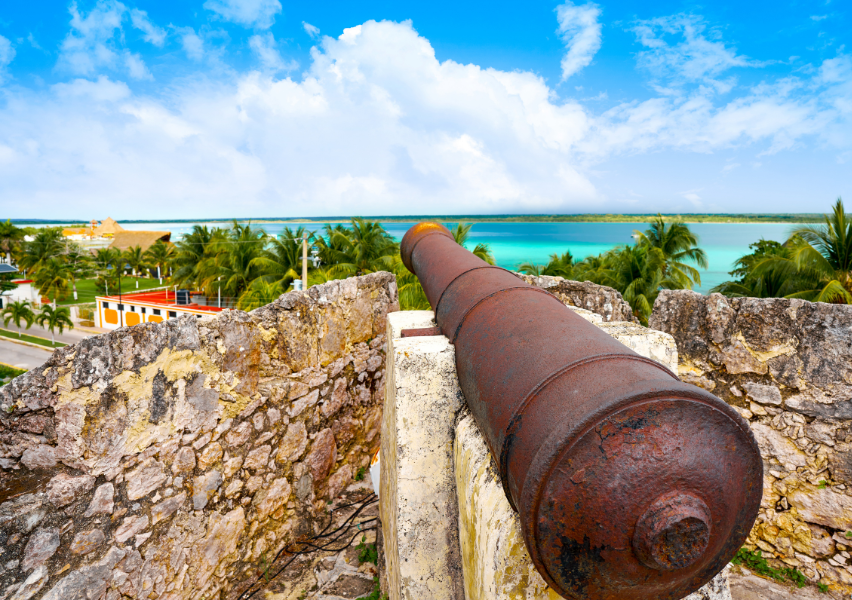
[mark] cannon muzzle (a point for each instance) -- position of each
(629, 483)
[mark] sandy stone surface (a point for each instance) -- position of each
(144, 463)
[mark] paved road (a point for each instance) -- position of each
(69, 337)
(23, 357)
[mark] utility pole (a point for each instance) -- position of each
(305, 260)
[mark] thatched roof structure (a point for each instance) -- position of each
(123, 240)
(108, 226)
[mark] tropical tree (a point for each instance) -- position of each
(192, 252)
(135, 259)
(365, 248)
(106, 263)
(230, 260)
(679, 245)
(10, 237)
(79, 265)
(281, 261)
(411, 294)
(767, 272)
(814, 264)
(17, 312)
(161, 255)
(560, 265)
(53, 318)
(638, 272)
(47, 244)
(260, 293)
(52, 278)
(461, 233)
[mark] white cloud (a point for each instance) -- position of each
(818, 17)
(136, 66)
(153, 34)
(581, 32)
(102, 90)
(192, 43)
(376, 124)
(7, 55)
(688, 58)
(265, 48)
(89, 46)
(311, 30)
(693, 198)
(250, 13)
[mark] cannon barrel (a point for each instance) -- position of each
(629, 483)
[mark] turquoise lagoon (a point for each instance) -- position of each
(515, 243)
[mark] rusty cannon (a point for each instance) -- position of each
(629, 483)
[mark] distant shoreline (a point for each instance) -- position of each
(780, 218)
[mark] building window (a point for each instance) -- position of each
(120, 307)
(132, 309)
(106, 304)
(172, 314)
(156, 311)
(143, 310)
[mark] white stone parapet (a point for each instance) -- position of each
(449, 531)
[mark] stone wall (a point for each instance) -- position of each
(599, 299)
(172, 460)
(787, 366)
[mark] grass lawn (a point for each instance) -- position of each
(86, 290)
(30, 338)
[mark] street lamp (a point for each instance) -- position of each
(315, 256)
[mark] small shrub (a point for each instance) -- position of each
(367, 552)
(822, 484)
(822, 587)
(359, 474)
(754, 560)
(9, 372)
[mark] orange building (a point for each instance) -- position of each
(147, 307)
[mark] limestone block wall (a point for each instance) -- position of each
(787, 366)
(170, 460)
(599, 299)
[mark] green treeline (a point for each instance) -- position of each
(248, 268)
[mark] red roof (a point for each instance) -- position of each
(164, 298)
(22, 281)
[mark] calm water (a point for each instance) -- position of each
(515, 243)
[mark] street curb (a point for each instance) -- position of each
(5, 364)
(30, 344)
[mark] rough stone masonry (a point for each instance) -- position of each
(787, 366)
(169, 460)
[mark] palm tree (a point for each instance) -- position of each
(135, 259)
(10, 236)
(17, 312)
(54, 318)
(558, 266)
(825, 253)
(411, 294)
(79, 266)
(461, 232)
(776, 279)
(281, 262)
(232, 260)
(365, 248)
(52, 278)
(191, 252)
(161, 255)
(106, 264)
(679, 246)
(260, 293)
(47, 244)
(638, 273)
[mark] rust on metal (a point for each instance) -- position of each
(629, 483)
(420, 332)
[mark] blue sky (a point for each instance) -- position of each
(264, 108)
